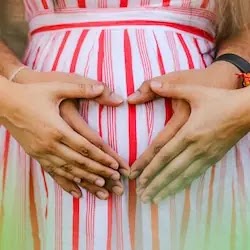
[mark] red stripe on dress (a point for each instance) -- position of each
(203, 65)
(204, 4)
(5, 163)
(5, 158)
(45, 4)
(75, 226)
(35, 60)
(33, 212)
(187, 51)
(132, 136)
(168, 101)
(100, 77)
(141, 40)
(185, 219)
(166, 3)
(233, 234)
(81, 4)
(77, 51)
(76, 202)
(242, 196)
(123, 3)
(46, 191)
(210, 205)
(60, 50)
(186, 28)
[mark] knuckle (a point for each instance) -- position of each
(157, 148)
(67, 168)
(50, 146)
(51, 171)
(171, 175)
(190, 137)
(84, 151)
(56, 134)
(100, 146)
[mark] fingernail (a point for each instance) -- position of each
(77, 180)
(101, 195)
(116, 97)
(155, 84)
(100, 182)
(134, 95)
(117, 190)
(133, 175)
(115, 176)
(145, 199)
(114, 165)
(97, 88)
(75, 194)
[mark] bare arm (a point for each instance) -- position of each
(226, 72)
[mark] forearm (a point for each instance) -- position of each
(9, 62)
(7, 91)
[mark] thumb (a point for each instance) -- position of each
(188, 93)
(72, 91)
(142, 95)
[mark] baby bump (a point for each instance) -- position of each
(122, 59)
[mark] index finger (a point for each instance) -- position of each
(81, 127)
(172, 127)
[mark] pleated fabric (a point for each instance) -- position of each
(122, 43)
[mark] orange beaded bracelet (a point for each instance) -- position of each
(246, 79)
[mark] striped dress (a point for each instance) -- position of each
(122, 43)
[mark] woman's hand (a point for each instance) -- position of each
(69, 112)
(32, 116)
(180, 107)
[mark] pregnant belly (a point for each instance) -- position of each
(122, 59)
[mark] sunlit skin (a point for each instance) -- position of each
(192, 141)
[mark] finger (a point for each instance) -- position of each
(170, 172)
(99, 192)
(178, 91)
(68, 186)
(78, 142)
(71, 91)
(70, 172)
(76, 159)
(194, 171)
(85, 175)
(114, 187)
(142, 95)
(171, 129)
(107, 97)
(53, 166)
(81, 127)
(166, 154)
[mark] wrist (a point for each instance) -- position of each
(7, 97)
(244, 98)
(26, 75)
(224, 75)
(240, 110)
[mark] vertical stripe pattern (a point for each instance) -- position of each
(215, 206)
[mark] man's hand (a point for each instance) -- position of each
(181, 113)
(218, 121)
(98, 150)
